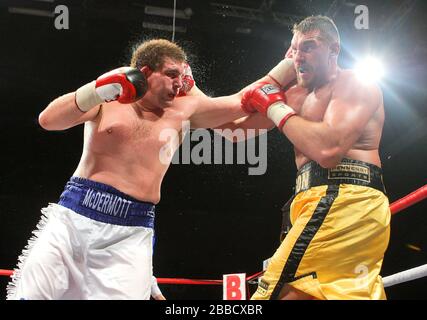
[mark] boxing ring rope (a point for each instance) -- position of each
(405, 276)
(187, 281)
(6, 272)
(400, 277)
(409, 200)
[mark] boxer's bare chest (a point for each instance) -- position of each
(136, 132)
(310, 105)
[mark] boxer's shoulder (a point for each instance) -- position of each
(348, 83)
(346, 78)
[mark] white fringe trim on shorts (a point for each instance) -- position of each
(11, 287)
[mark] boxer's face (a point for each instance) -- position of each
(311, 57)
(165, 83)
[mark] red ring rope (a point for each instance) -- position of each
(409, 200)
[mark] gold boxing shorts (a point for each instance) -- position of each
(339, 234)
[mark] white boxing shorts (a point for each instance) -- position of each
(96, 243)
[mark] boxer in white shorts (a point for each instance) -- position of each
(97, 242)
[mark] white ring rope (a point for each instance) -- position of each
(405, 276)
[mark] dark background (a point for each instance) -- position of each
(213, 219)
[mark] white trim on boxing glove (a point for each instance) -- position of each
(284, 72)
(87, 98)
(279, 113)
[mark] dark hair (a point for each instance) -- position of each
(152, 53)
(325, 25)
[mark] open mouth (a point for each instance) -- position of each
(304, 72)
(303, 69)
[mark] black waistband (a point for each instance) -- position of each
(347, 172)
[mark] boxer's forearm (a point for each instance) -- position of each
(63, 113)
(245, 128)
(316, 140)
(125, 85)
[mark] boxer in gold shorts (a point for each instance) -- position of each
(340, 231)
(339, 213)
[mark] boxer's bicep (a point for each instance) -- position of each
(195, 91)
(213, 112)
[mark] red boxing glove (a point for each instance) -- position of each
(261, 96)
(131, 83)
(187, 81)
(269, 100)
(126, 85)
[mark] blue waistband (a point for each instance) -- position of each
(104, 203)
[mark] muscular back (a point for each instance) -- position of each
(122, 148)
(315, 106)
